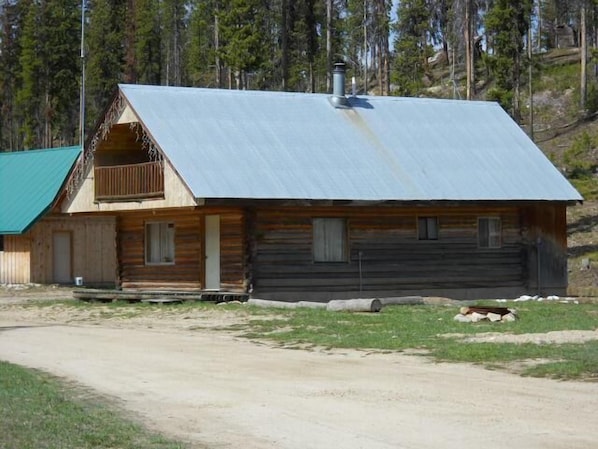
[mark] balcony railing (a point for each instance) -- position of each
(129, 182)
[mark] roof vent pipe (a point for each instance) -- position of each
(338, 99)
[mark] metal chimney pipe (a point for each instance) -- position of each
(338, 99)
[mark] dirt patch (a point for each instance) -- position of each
(553, 337)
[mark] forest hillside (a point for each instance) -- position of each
(61, 60)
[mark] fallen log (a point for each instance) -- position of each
(270, 303)
(402, 300)
(312, 304)
(354, 305)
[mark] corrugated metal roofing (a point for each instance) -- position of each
(29, 184)
(277, 145)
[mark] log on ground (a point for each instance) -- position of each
(273, 304)
(402, 300)
(355, 305)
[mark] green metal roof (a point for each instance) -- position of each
(29, 184)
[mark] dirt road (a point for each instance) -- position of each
(217, 391)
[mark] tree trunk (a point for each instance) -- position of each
(530, 86)
(469, 57)
(284, 45)
(328, 46)
(217, 49)
(584, 53)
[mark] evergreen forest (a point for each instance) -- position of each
(51, 51)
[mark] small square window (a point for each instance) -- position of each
(427, 228)
(159, 243)
(329, 240)
(489, 232)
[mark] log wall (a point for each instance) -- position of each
(546, 236)
(187, 271)
(383, 242)
(233, 268)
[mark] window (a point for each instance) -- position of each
(427, 228)
(159, 243)
(489, 232)
(329, 240)
(1, 243)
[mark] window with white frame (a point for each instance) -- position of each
(427, 228)
(329, 240)
(489, 232)
(159, 243)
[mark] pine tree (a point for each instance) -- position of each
(412, 46)
(508, 22)
(11, 19)
(148, 55)
(173, 40)
(62, 66)
(31, 91)
(243, 37)
(201, 63)
(104, 53)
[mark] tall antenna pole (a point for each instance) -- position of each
(82, 93)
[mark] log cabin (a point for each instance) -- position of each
(297, 196)
(37, 243)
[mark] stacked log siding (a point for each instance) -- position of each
(187, 269)
(385, 253)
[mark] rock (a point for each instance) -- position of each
(509, 317)
(464, 310)
(460, 318)
(493, 317)
(475, 317)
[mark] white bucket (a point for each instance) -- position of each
(79, 281)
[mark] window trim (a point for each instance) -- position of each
(169, 224)
(490, 237)
(427, 237)
(344, 237)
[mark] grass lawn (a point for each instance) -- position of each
(38, 412)
(432, 331)
(428, 330)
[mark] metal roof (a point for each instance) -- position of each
(279, 145)
(29, 184)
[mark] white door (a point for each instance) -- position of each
(61, 258)
(212, 262)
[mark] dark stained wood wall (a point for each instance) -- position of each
(184, 273)
(392, 258)
(187, 272)
(546, 235)
(233, 268)
(269, 250)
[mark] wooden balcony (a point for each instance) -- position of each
(129, 182)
